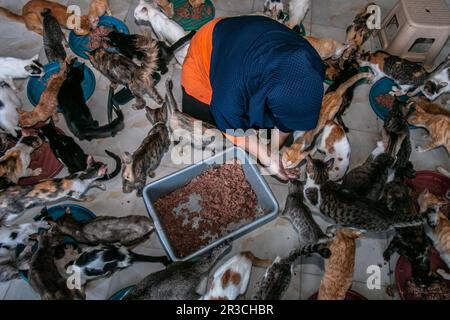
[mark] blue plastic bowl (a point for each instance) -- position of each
(79, 213)
(380, 88)
(37, 85)
(119, 295)
(79, 44)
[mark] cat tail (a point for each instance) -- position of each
(353, 80)
(106, 131)
(409, 221)
(115, 173)
(11, 15)
(181, 42)
(319, 248)
(171, 102)
(135, 257)
(255, 260)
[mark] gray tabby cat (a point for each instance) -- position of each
(179, 280)
(345, 208)
(276, 280)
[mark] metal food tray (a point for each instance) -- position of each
(168, 184)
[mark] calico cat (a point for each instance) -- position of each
(345, 208)
(14, 164)
(369, 179)
(33, 20)
(53, 38)
(275, 282)
(231, 279)
(9, 103)
(327, 48)
(121, 70)
(14, 68)
(128, 230)
(98, 8)
(437, 125)
(439, 233)
(408, 75)
(12, 236)
(331, 104)
(102, 261)
(179, 280)
(300, 216)
(77, 114)
(15, 200)
(338, 275)
(44, 276)
(147, 158)
(48, 103)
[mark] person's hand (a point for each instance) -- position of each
(276, 168)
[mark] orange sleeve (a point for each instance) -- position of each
(196, 66)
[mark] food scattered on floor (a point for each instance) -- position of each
(386, 100)
(436, 291)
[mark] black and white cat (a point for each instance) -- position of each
(14, 68)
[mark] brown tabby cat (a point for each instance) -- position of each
(48, 103)
(331, 105)
(437, 125)
(429, 106)
(339, 267)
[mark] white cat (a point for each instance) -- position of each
(9, 103)
(11, 237)
(164, 28)
(297, 12)
(14, 68)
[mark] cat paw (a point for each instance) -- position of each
(36, 172)
(420, 149)
(151, 174)
(331, 231)
(87, 199)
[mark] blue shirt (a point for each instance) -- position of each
(264, 75)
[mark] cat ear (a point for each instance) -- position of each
(127, 158)
(90, 160)
(329, 164)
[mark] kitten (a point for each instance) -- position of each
(338, 275)
(327, 48)
(14, 164)
(98, 8)
(9, 103)
(47, 106)
(439, 233)
(179, 280)
(12, 236)
(77, 114)
(44, 276)
(277, 278)
(121, 70)
(53, 38)
(14, 68)
(128, 230)
(147, 158)
(439, 81)
(344, 207)
(231, 280)
(33, 21)
(335, 145)
(437, 125)
(102, 261)
(300, 215)
(369, 179)
(331, 104)
(15, 200)
(408, 75)
(167, 7)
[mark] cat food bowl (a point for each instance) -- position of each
(350, 295)
(119, 295)
(45, 159)
(79, 213)
(267, 205)
(403, 273)
(79, 44)
(192, 18)
(37, 85)
(380, 88)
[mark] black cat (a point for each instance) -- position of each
(78, 117)
(53, 37)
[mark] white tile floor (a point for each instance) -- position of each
(327, 18)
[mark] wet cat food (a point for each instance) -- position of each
(97, 38)
(436, 291)
(216, 202)
(386, 100)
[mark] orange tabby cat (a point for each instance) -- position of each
(427, 200)
(47, 105)
(97, 9)
(440, 235)
(429, 106)
(437, 125)
(338, 276)
(327, 47)
(331, 104)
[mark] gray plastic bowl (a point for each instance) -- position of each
(168, 184)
